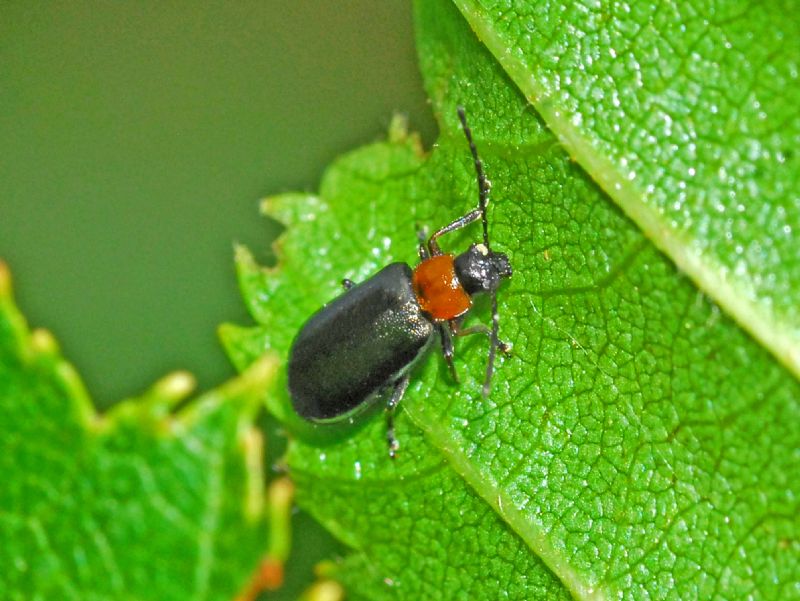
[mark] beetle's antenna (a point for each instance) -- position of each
(483, 200)
(483, 183)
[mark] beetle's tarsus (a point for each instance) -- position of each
(393, 446)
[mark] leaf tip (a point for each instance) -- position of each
(5, 279)
(227, 335)
(43, 342)
(398, 128)
(275, 207)
(399, 134)
(175, 386)
(324, 590)
(291, 208)
(243, 258)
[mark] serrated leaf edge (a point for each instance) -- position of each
(152, 409)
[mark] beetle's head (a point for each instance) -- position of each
(481, 270)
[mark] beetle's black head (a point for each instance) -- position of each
(481, 270)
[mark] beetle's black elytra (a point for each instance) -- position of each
(362, 346)
(359, 343)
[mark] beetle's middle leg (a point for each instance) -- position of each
(494, 343)
(505, 347)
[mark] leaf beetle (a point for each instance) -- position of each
(362, 346)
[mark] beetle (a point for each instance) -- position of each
(362, 346)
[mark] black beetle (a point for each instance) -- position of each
(361, 346)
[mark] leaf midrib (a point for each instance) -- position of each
(734, 297)
(440, 437)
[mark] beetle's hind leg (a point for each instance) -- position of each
(397, 395)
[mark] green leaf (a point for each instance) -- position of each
(686, 115)
(143, 502)
(638, 443)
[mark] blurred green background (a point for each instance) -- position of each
(135, 142)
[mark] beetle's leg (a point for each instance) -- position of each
(494, 343)
(505, 347)
(445, 334)
(347, 283)
(422, 237)
(473, 215)
(397, 394)
(483, 196)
